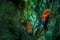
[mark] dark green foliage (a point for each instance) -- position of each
(14, 13)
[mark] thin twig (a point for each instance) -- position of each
(54, 12)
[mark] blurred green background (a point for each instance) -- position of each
(12, 18)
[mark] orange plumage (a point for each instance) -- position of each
(28, 26)
(45, 13)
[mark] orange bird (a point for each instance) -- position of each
(45, 18)
(29, 28)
